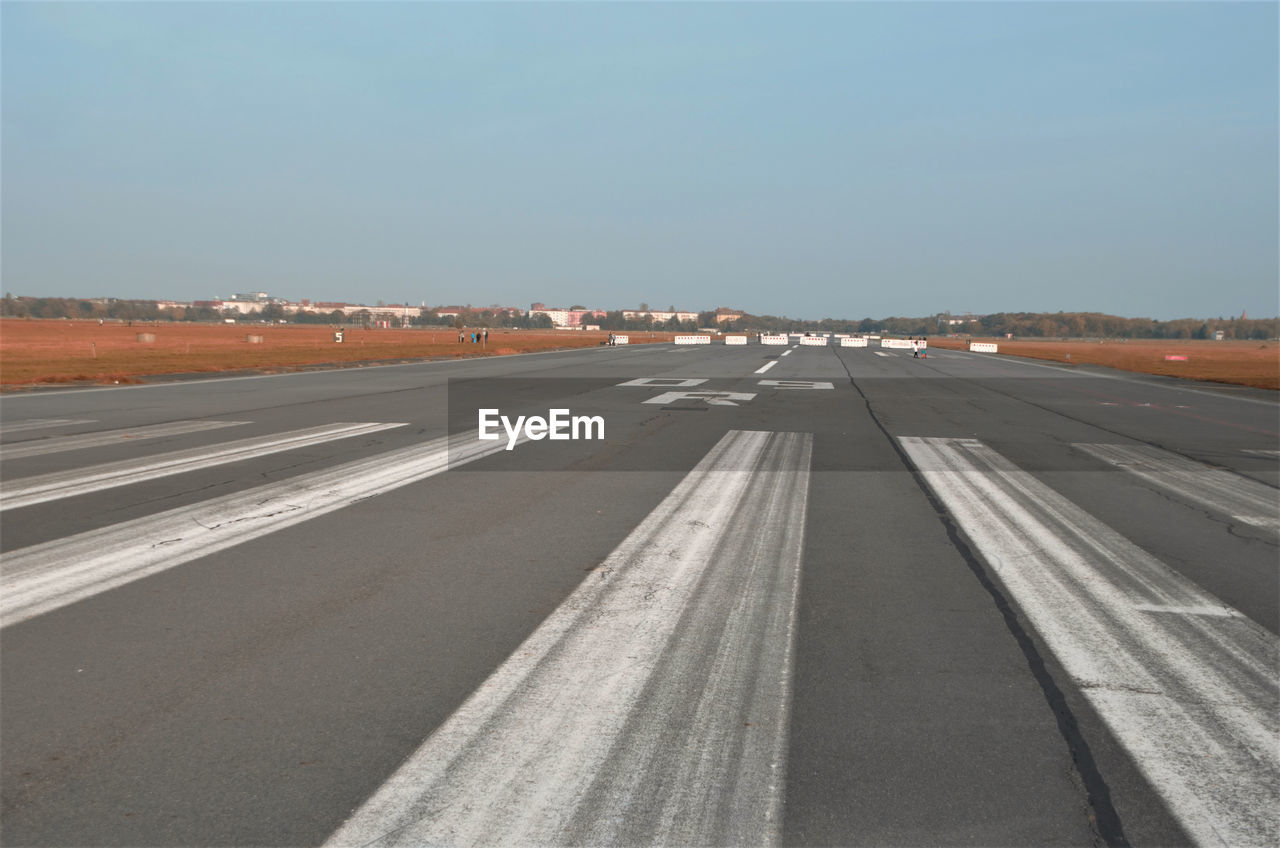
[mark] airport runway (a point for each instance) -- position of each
(794, 595)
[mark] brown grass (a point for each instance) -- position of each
(34, 351)
(1245, 363)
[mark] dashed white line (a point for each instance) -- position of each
(766, 366)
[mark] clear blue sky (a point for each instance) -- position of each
(815, 160)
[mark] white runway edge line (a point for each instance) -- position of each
(60, 444)
(651, 708)
(26, 491)
(1187, 684)
(1241, 498)
(47, 576)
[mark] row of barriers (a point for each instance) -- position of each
(816, 341)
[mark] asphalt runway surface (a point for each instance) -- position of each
(789, 595)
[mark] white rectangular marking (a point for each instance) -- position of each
(881, 353)
(623, 719)
(27, 491)
(40, 423)
(59, 444)
(1241, 498)
(1193, 698)
(797, 384)
(45, 577)
(787, 352)
(766, 366)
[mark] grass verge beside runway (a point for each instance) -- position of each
(1244, 363)
(43, 352)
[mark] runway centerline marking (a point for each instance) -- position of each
(623, 719)
(766, 366)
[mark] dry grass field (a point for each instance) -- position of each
(1245, 363)
(35, 351)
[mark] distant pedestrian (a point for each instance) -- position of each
(486, 337)
(915, 349)
(459, 337)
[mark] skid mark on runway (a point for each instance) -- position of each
(1185, 683)
(651, 707)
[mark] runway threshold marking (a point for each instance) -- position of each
(1191, 696)
(45, 577)
(60, 444)
(27, 491)
(1241, 498)
(652, 706)
(40, 423)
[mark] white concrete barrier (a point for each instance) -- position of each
(693, 340)
(897, 344)
(779, 339)
(735, 340)
(814, 341)
(851, 342)
(982, 347)
(621, 340)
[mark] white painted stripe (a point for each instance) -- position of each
(40, 423)
(1221, 612)
(881, 353)
(27, 491)
(48, 576)
(1192, 697)
(58, 444)
(766, 366)
(651, 708)
(1241, 498)
(787, 352)
(1263, 452)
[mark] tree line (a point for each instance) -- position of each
(1018, 324)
